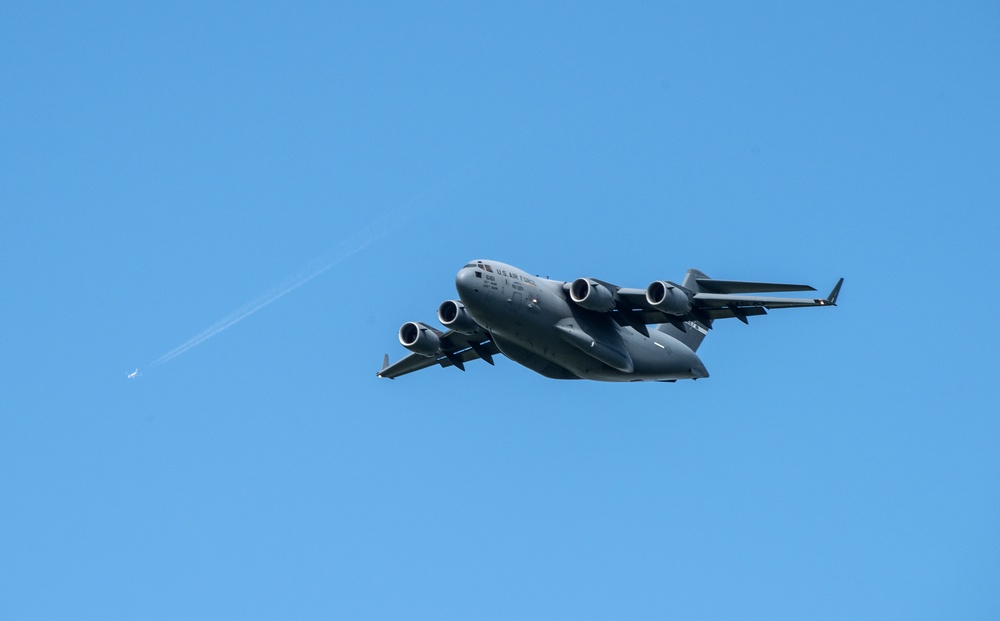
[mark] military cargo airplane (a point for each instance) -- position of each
(587, 328)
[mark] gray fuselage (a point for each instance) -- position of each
(533, 322)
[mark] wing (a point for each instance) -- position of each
(715, 300)
(456, 350)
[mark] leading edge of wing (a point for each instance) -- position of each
(710, 306)
(707, 301)
(711, 285)
(456, 350)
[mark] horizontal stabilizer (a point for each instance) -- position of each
(709, 285)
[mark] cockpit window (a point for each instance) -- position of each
(470, 265)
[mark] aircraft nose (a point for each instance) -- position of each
(466, 282)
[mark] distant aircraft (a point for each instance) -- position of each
(587, 328)
(133, 374)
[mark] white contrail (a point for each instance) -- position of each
(310, 271)
(376, 230)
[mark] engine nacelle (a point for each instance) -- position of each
(665, 296)
(454, 316)
(591, 295)
(419, 338)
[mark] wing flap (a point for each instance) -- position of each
(489, 348)
(709, 301)
(737, 312)
(456, 349)
(708, 306)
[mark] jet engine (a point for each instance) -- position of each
(420, 338)
(591, 295)
(453, 316)
(667, 297)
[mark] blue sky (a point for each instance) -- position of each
(164, 165)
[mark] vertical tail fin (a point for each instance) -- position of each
(691, 333)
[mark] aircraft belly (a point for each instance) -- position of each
(544, 364)
(539, 328)
(551, 356)
(658, 357)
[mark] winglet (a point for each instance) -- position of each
(385, 365)
(831, 299)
